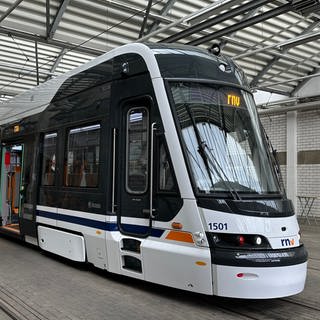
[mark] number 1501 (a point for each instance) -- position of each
(218, 226)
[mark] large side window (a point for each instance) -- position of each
(137, 150)
(83, 151)
(48, 175)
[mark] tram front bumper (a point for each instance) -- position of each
(259, 275)
(259, 283)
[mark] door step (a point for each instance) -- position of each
(132, 263)
(131, 255)
(132, 245)
(11, 232)
(14, 227)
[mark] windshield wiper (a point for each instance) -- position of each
(202, 146)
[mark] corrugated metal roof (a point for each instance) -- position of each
(275, 42)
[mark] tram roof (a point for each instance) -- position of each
(38, 98)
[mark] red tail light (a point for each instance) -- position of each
(241, 240)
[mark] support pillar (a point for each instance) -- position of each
(37, 61)
(292, 157)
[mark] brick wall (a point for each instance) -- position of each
(308, 128)
(308, 139)
(308, 148)
(276, 129)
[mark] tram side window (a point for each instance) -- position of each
(49, 159)
(82, 158)
(166, 179)
(137, 150)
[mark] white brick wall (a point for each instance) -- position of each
(276, 128)
(308, 138)
(309, 184)
(308, 130)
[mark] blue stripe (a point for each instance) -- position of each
(107, 226)
(133, 228)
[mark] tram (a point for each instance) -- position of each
(150, 162)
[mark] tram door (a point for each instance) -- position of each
(133, 165)
(11, 175)
(18, 188)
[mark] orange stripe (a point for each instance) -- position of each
(180, 236)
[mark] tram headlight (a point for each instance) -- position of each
(257, 240)
(238, 241)
(199, 238)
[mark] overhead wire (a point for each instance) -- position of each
(27, 59)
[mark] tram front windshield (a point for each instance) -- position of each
(223, 139)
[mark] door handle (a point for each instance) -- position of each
(147, 212)
(151, 210)
(114, 138)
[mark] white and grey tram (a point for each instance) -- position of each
(150, 162)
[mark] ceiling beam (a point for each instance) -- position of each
(56, 63)
(130, 8)
(243, 24)
(275, 91)
(56, 43)
(57, 18)
(300, 39)
(182, 21)
(9, 92)
(224, 5)
(313, 73)
(263, 71)
(22, 69)
(241, 9)
(145, 18)
(163, 12)
(10, 9)
(283, 108)
(273, 61)
(271, 84)
(247, 15)
(47, 17)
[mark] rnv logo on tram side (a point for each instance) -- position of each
(287, 242)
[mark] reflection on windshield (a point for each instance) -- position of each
(222, 138)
